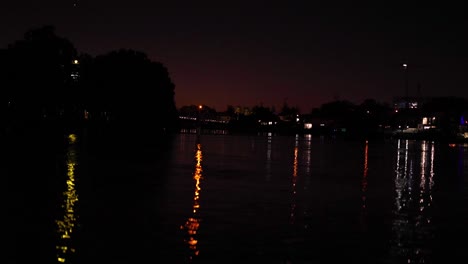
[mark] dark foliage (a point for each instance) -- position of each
(45, 80)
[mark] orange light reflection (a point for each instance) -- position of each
(294, 180)
(364, 176)
(193, 223)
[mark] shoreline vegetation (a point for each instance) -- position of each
(48, 84)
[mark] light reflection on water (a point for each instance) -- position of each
(294, 180)
(269, 198)
(364, 183)
(412, 224)
(321, 195)
(67, 224)
(364, 176)
(268, 157)
(193, 222)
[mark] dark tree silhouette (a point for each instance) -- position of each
(44, 78)
(289, 113)
(36, 75)
(260, 112)
(371, 118)
(231, 111)
(340, 109)
(129, 89)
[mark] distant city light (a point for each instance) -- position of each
(75, 62)
(200, 107)
(405, 65)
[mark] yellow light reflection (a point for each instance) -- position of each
(193, 223)
(72, 138)
(67, 224)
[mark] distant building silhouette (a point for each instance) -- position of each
(404, 102)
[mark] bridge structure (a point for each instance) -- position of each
(191, 122)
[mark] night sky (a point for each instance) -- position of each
(268, 52)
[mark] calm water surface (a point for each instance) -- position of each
(233, 199)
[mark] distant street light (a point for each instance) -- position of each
(405, 67)
(199, 119)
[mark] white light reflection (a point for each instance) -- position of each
(268, 157)
(308, 176)
(412, 227)
(308, 139)
(423, 164)
(401, 175)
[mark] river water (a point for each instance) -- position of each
(221, 198)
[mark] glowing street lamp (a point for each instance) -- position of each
(199, 119)
(405, 67)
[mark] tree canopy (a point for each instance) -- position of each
(44, 76)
